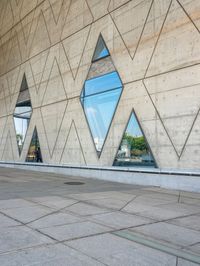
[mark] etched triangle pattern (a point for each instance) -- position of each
(52, 119)
(171, 42)
(78, 17)
(27, 23)
(56, 6)
(38, 69)
(34, 152)
(74, 48)
(2, 102)
(8, 149)
(73, 151)
(22, 114)
(134, 150)
(54, 81)
(100, 94)
(12, 80)
(3, 121)
(8, 18)
(130, 21)
(168, 93)
(114, 4)
(192, 11)
(41, 40)
(98, 8)
(14, 58)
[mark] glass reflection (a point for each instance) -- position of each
(101, 50)
(101, 84)
(34, 152)
(134, 150)
(99, 99)
(22, 115)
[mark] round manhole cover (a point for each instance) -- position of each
(74, 183)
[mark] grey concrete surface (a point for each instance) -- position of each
(46, 222)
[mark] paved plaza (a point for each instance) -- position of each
(44, 220)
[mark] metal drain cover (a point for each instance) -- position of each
(74, 183)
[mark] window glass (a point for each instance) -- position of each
(100, 94)
(22, 114)
(102, 83)
(101, 49)
(134, 150)
(34, 152)
(99, 110)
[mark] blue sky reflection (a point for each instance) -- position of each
(100, 101)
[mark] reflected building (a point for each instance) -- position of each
(34, 152)
(134, 149)
(22, 114)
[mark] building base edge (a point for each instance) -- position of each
(169, 179)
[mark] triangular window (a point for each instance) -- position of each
(134, 150)
(34, 152)
(22, 113)
(101, 50)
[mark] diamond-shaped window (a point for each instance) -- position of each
(100, 94)
(22, 114)
(134, 150)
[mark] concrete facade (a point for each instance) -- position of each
(154, 45)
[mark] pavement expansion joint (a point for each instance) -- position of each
(140, 239)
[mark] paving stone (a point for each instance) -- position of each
(170, 233)
(54, 202)
(76, 230)
(119, 220)
(116, 251)
(153, 212)
(15, 203)
(28, 214)
(192, 201)
(110, 203)
(84, 209)
(102, 195)
(192, 222)
(162, 190)
(54, 220)
(182, 262)
(86, 226)
(7, 222)
(194, 248)
(153, 200)
(135, 207)
(181, 207)
(192, 195)
(161, 212)
(20, 237)
(51, 255)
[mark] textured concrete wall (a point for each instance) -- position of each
(155, 47)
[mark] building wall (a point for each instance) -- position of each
(155, 47)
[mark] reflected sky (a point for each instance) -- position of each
(101, 50)
(100, 101)
(134, 150)
(133, 128)
(102, 83)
